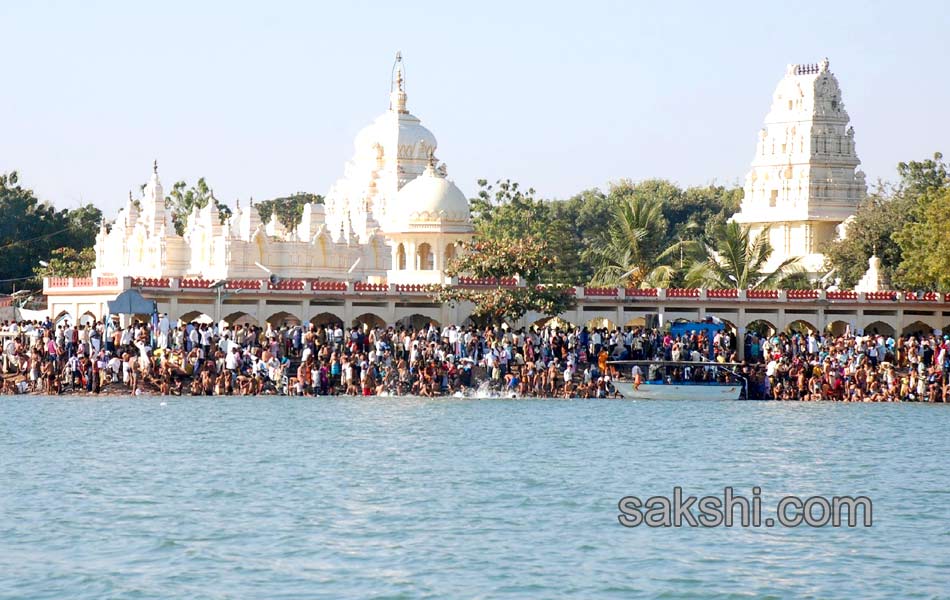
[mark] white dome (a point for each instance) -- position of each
(399, 134)
(431, 198)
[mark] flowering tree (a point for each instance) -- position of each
(530, 258)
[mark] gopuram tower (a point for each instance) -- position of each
(803, 182)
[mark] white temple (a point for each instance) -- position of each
(393, 216)
(803, 182)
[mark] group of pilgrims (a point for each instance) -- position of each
(551, 360)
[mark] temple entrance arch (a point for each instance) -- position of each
(371, 320)
(87, 318)
(917, 328)
(482, 322)
(837, 328)
(801, 326)
(730, 327)
(279, 319)
(552, 322)
(636, 322)
(879, 328)
(761, 327)
(236, 319)
(601, 323)
(417, 321)
(324, 319)
(196, 316)
(62, 317)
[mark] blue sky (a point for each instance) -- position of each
(264, 99)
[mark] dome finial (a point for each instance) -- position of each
(397, 90)
(397, 76)
(155, 166)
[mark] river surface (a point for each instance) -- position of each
(448, 498)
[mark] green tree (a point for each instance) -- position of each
(630, 252)
(925, 245)
(922, 237)
(920, 177)
(700, 211)
(878, 218)
(183, 199)
(83, 224)
(531, 259)
(585, 216)
(737, 260)
(29, 231)
(68, 262)
(506, 212)
(289, 209)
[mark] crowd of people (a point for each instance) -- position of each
(161, 357)
(850, 368)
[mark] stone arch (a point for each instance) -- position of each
(557, 322)
(730, 327)
(761, 327)
(425, 257)
(239, 318)
(472, 321)
(417, 321)
(917, 328)
(601, 323)
(801, 326)
(401, 257)
(325, 318)
(450, 253)
(278, 319)
(197, 316)
(639, 321)
(87, 318)
(879, 327)
(373, 320)
(837, 328)
(64, 315)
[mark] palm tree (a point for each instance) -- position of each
(738, 261)
(629, 252)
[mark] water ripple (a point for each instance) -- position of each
(443, 498)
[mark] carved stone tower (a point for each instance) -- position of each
(803, 181)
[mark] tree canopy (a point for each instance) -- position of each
(183, 199)
(904, 225)
(629, 251)
(289, 209)
(529, 258)
(597, 234)
(738, 260)
(507, 212)
(32, 230)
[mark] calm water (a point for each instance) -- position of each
(409, 498)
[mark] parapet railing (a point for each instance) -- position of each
(594, 293)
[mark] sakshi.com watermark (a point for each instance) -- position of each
(731, 510)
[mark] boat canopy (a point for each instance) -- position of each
(680, 328)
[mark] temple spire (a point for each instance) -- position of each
(397, 88)
(155, 166)
(397, 76)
